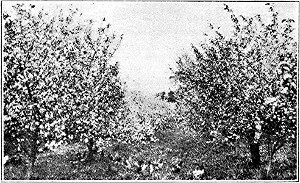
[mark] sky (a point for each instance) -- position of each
(157, 33)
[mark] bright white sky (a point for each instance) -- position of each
(156, 33)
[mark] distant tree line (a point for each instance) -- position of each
(167, 96)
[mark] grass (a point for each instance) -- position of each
(220, 162)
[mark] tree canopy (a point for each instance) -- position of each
(60, 83)
(244, 85)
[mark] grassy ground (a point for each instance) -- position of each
(220, 162)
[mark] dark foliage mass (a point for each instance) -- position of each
(67, 115)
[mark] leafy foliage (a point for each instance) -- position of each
(92, 92)
(243, 86)
(30, 80)
(147, 117)
(58, 80)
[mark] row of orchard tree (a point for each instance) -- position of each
(60, 84)
(59, 81)
(243, 87)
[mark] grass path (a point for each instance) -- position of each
(219, 161)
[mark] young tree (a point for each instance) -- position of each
(56, 73)
(94, 94)
(29, 81)
(243, 86)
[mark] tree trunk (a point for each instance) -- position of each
(91, 151)
(269, 167)
(33, 154)
(255, 154)
(254, 148)
(237, 148)
(272, 151)
(28, 171)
